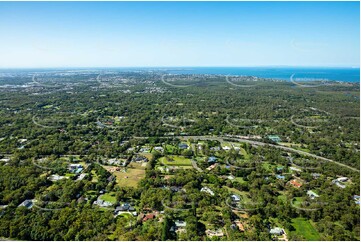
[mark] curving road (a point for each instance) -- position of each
(195, 166)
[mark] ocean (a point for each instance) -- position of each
(284, 73)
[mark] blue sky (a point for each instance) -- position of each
(123, 34)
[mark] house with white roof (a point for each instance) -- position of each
(207, 190)
(312, 194)
(342, 179)
(277, 231)
(235, 198)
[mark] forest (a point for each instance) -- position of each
(152, 156)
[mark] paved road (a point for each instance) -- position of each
(258, 143)
(195, 166)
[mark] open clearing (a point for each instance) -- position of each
(175, 161)
(304, 228)
(109, 197)
(130, 177)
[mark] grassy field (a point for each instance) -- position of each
(233, 190)
(94, 176)
(109, 197)
(177, 161)
(243, 195)
(297, 202)
(240, 180)
(304, 228)
(130, 178)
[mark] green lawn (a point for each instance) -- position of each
(297, 202)
(109, 197)
(177, 161)
(233, 190)
(304, 228)
(94, 176)
(240, 180)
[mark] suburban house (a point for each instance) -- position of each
(124, 207)
(212, 159)
(159, 149)
(312, 194)
(274, 138)
(357, 199)
(207, 190)
(217, 233)
(55, 177)
(342, 179)
(81, 177)
(75, 168)
(113, 161)
(235, 198)
(280, 177)
(144, 150)
(231, 177)
(102, 203)
(316, 175)
(148, 216)
(27, 203)
(212, 167)
(183, 146)
(5, 160)
(277, 231)
(338, 183)
(217, 148)
(295, 183)
(179, 226)
(140, 159)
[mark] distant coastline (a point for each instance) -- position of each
(283, 73)
(343, 74)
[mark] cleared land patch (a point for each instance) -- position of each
(175, 161)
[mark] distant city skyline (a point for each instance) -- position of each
(179, 34)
